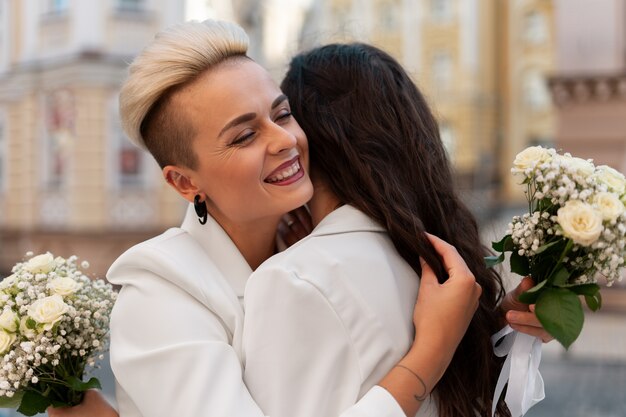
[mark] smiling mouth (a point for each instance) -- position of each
(292, 171)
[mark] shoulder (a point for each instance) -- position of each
(323, 258)
(172, 259)
(169, 254)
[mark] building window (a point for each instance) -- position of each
(130, 5)
(535, 91)
(441, 10)
(535, 28)
(59, 136)
(442, 70)
(128, 165)
(55, 7)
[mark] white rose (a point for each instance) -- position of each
(64, 286)
(611, 178)
(609, 205)
(6, 340)
(8, 321)
(578, 165)
(48, 311)
(580, 222)
(530, 157)
(41, 264)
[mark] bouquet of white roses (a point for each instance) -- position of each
(573, 233)
(54, 321)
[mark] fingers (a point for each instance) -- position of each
(533, 331)
(525, 284)
(292, 227)
(523, 318)
(428, 275)
(452, 260)
(527, 322)
(511, 299)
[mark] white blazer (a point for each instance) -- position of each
(176, 329)
(328, 318)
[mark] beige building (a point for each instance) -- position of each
(70, 182)
(589, 86)
(528, 48)
(589, 89)
(482, 63)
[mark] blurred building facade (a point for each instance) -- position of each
(589, 85)
(70, 182)
(589, 89)
(483, 64)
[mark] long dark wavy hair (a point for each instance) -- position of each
(375, 143)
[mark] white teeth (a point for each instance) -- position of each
(287, 173)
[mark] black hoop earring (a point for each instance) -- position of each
(201, 210)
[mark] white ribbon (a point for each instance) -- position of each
(521, 370)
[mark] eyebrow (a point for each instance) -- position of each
(250, 116)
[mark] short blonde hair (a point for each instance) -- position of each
(176, 56)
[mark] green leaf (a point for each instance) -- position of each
(584, 289)
(530, 296)
(592, 303)
(545, 204)
(78, 385)
(561, 314)
(13, 402)
(505, 244)
(492, 261)
(547, 246)
(33, 403)
(559, 277)
(31, 324)
(519, 264)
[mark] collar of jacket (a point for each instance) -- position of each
(220, 249)
(346, 219)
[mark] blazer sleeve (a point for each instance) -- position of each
(299, 358)
(171, 355)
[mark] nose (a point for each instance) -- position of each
(281, 140)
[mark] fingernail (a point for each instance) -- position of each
(511, 316)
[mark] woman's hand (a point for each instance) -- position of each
(293, 226)
(441, 316)
(520, 316)
(93, 405)
(443, 311)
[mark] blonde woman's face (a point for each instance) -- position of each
(252, 155)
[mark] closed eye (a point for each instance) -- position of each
(284, 116)
(243, 139)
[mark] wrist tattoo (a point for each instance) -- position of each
(425, 394)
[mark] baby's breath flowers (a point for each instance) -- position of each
(573, 233)
(54, 321)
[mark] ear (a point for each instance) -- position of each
(181, 179)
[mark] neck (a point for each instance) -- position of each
(255, 240)
(323, 203)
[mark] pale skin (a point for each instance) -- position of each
(230, 159)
